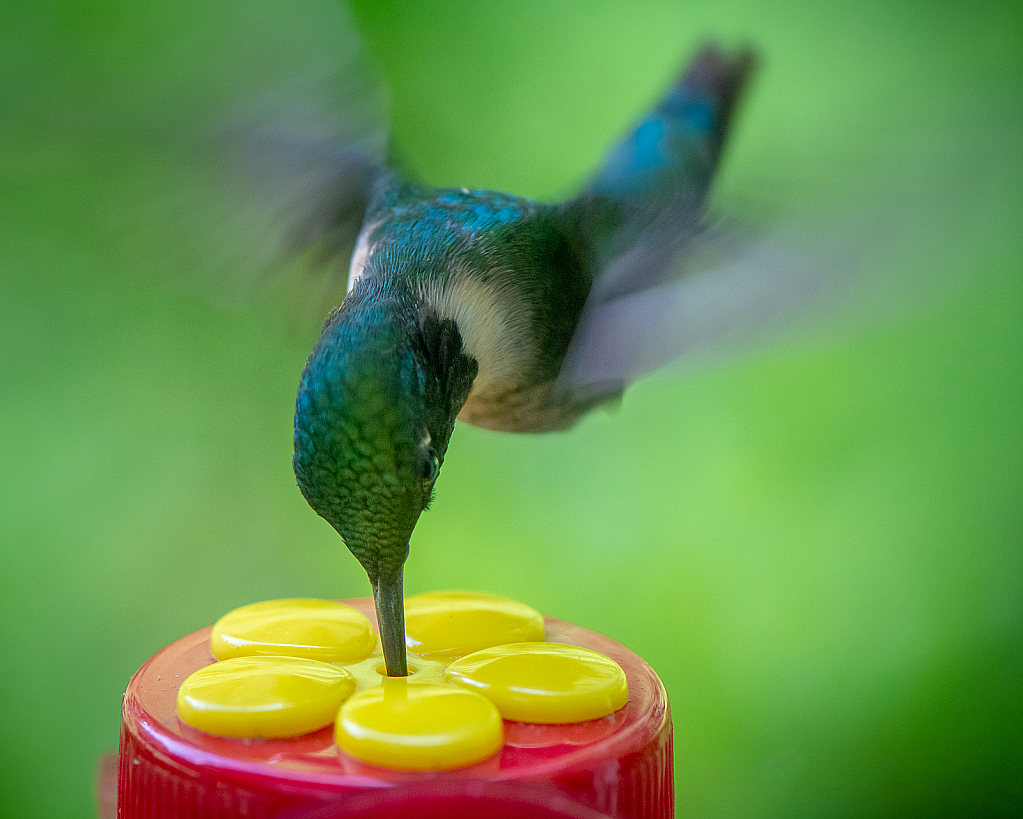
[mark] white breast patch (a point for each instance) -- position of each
(359, 257)
(494, 325)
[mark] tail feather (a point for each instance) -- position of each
(676, 147)
(710, 89)
(648, 199)
(641, 212)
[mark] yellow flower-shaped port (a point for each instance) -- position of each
(473, 665)
(544, 682)
(419, 727)
(315, 629)
(451, 624)
(265, 696)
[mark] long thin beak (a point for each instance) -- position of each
(389, 598)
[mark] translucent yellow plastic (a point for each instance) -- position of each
(544, 682)
(475, 658)
(264, 696)
(419, 727)
(447, 625)
(315, 629)
(370, 672)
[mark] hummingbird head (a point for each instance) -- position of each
(375, 410)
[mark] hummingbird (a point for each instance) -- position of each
(493, 309)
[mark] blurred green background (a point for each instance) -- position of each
(817, 545)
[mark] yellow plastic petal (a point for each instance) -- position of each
(446, 625)
(315, 629)
(264, 696)
(419, 727)
(544, 682)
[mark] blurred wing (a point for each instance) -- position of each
(260, 190)
(720, 291)
(309, 154)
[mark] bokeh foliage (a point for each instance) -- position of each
(817, 545)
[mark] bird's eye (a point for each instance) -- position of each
(431, 465)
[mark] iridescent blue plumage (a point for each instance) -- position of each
(675, 141)
(472, 304)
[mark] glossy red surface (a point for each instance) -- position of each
(619, 766)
